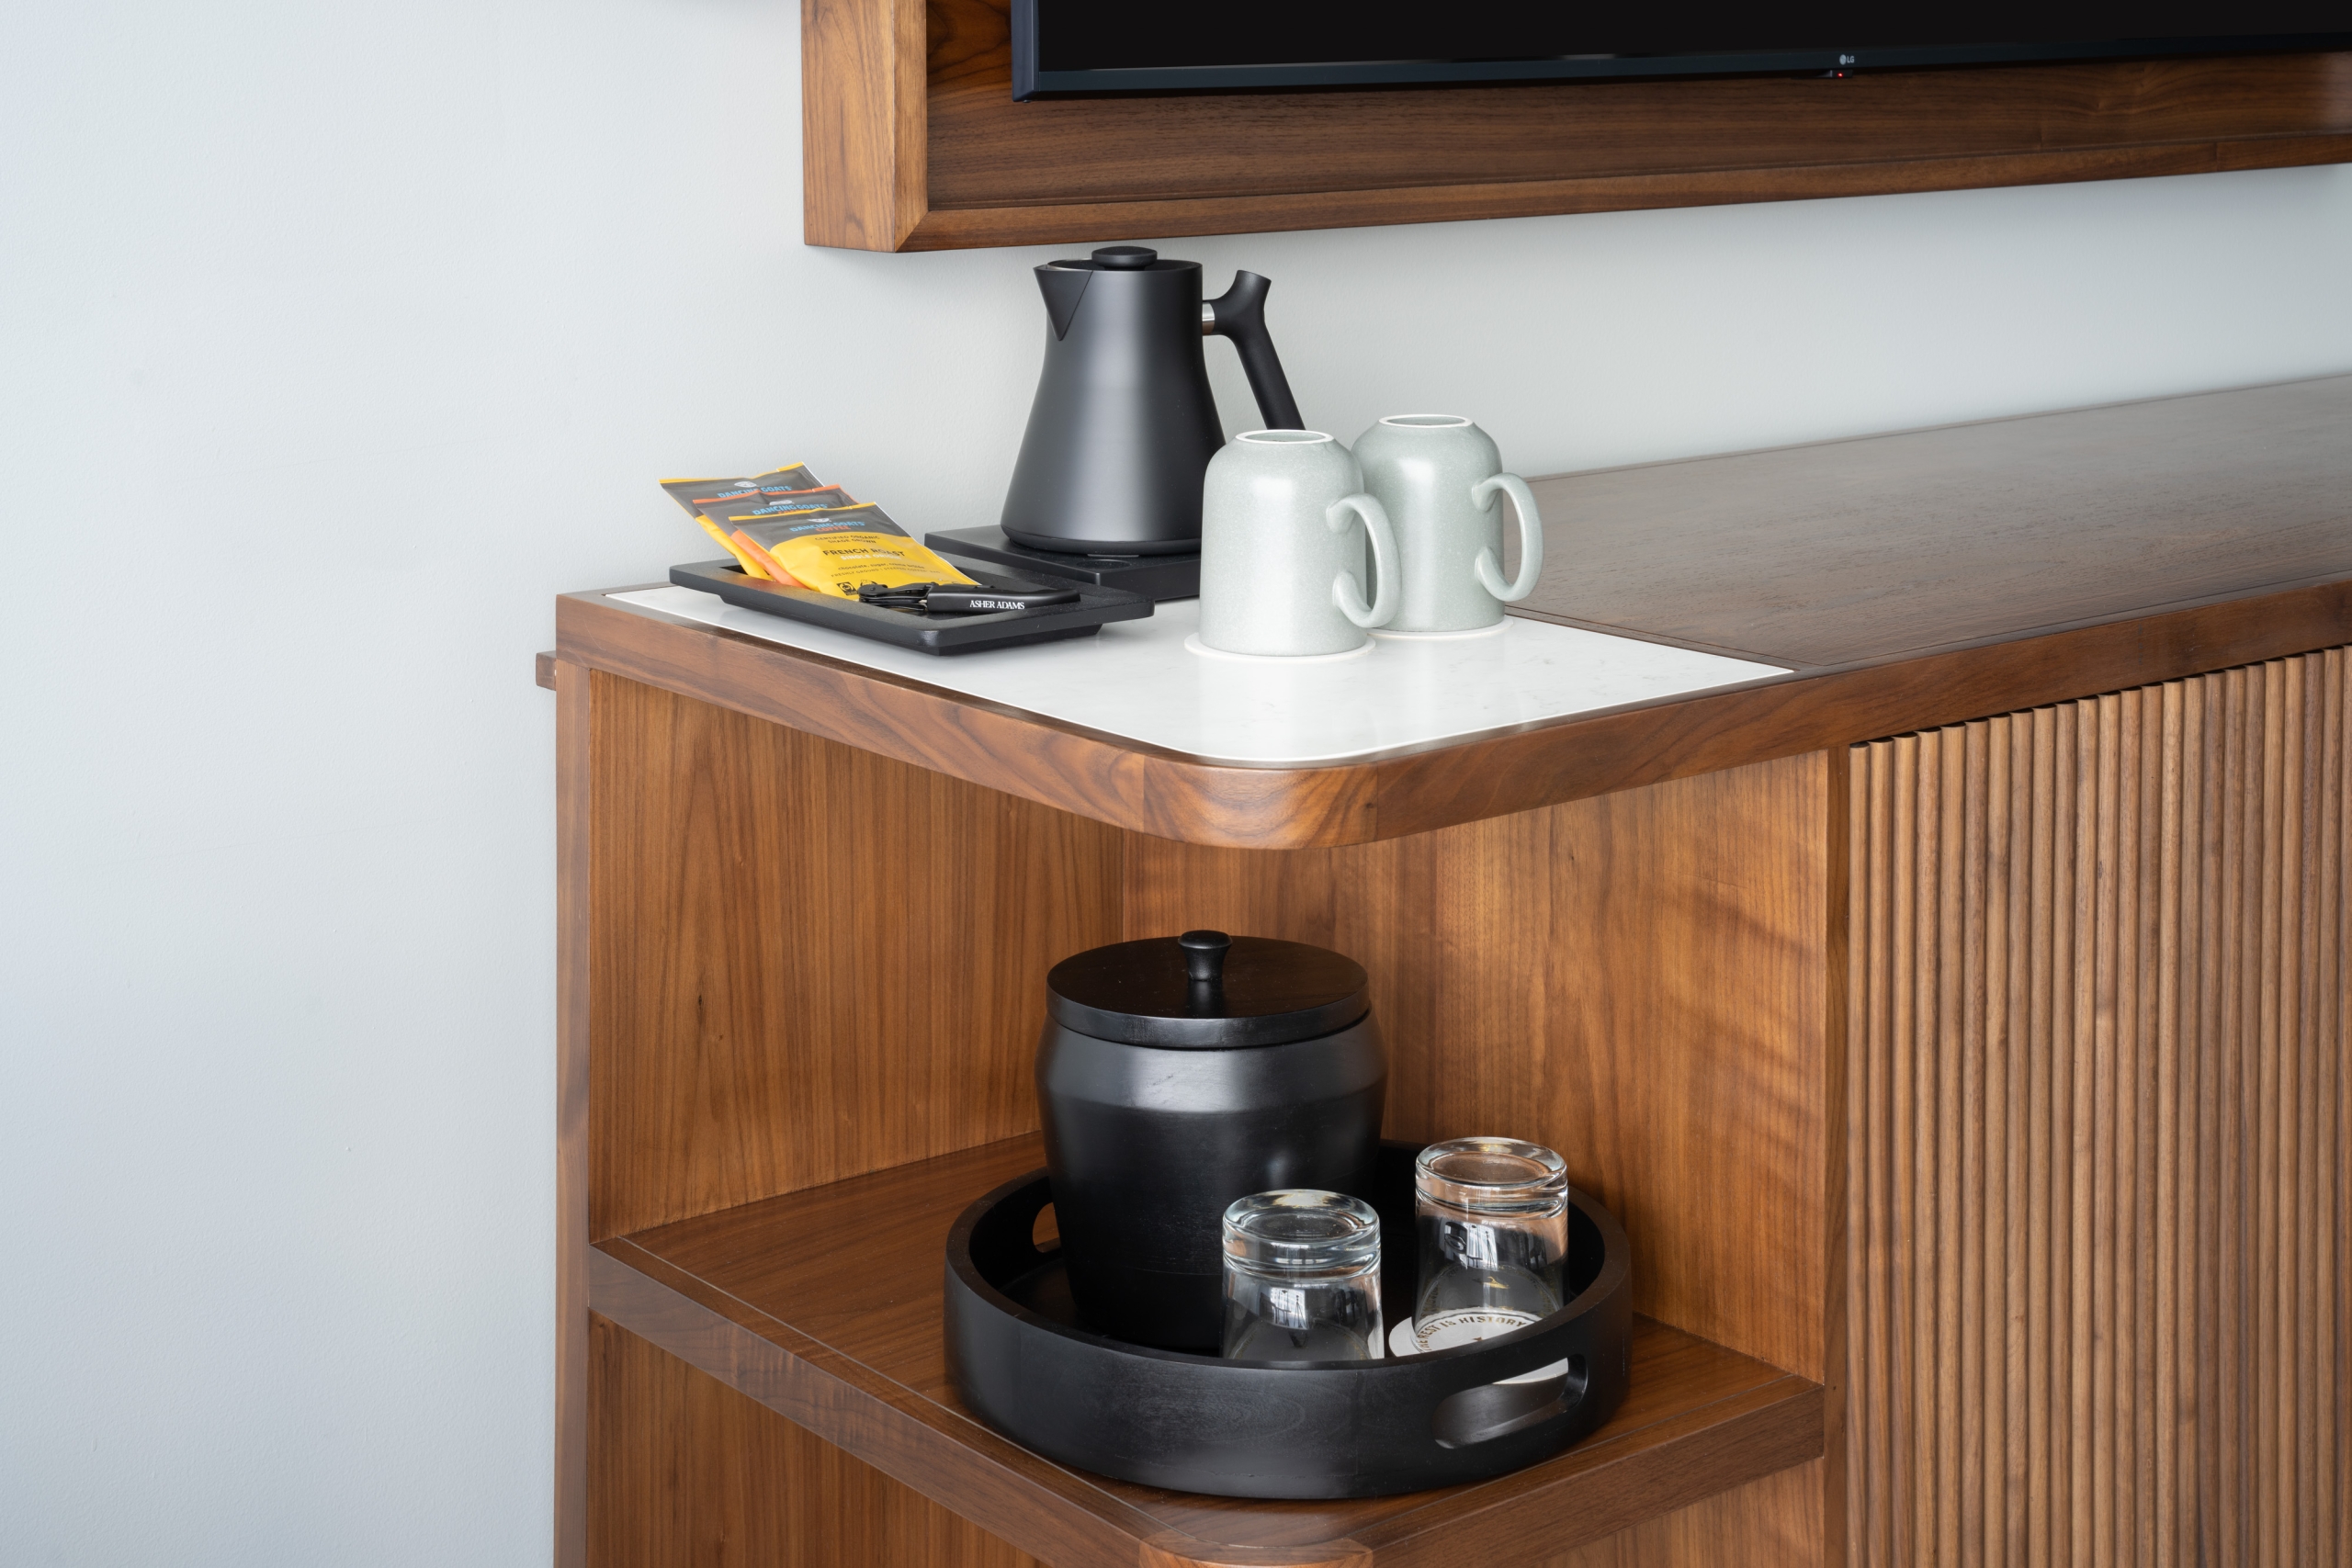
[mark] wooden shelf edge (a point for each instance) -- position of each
(1193, 802)
(1575, 759)
(1069, 222)
(1705, 1452)
(1063, 1518)
(977, 1474)
(1121, 784)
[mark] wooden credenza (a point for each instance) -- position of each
(1958, 1023)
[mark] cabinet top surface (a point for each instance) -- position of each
(1752, 605)
(1146, 680)
(1843, 552)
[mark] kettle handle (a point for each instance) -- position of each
(1239, 313)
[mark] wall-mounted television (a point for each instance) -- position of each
(1063, 48)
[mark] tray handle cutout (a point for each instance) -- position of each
(1480, 1415)
(1005, 1240)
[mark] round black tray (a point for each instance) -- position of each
(1022, 1363)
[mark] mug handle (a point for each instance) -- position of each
(1531, 539)
(1346, 591)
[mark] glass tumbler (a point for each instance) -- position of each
(1302, 1278)
(1493, 1218)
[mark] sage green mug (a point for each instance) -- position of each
(1283, 525)
(1437, 476)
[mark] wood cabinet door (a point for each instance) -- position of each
(2099, 1122)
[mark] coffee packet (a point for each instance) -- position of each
(772, 494)
(835, 549)
(694, 494)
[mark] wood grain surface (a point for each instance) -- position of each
(760, 1297)
(2035, 559)
(808, 960)
(1853, 552)
(2100, 1131)
(865, 145)
(989, 151)
(690, 1473)
(1637, 981)
(1097, 776)
(1775, 1522)
(917, 144)
(1092, 223)
(1219, 163)
(576, 919)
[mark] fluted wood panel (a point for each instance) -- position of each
(2100, 1131)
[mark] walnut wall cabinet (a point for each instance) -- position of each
(1957, 1022)
(911, 138)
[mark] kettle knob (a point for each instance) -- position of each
(1205, 955)
(1125, 259)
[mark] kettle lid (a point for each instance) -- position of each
(1125, 259)
(1120, 258)
(1207, 989)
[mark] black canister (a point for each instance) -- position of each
(1176, 1074)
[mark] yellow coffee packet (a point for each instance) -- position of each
(720, 526)
(835, 549)
(765, 495)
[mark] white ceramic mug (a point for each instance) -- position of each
(1437, 476)
(1284, 524)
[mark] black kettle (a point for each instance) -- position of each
(1123, 424)
(1178, 1074)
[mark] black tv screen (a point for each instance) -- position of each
(1066, 47)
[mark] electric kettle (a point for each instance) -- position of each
(1124, 423)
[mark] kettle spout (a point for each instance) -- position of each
(1063, 288)
(1239, 313)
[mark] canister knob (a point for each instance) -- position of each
(1205, 955)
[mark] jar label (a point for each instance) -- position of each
(1454, 1328)
(1448, 1329)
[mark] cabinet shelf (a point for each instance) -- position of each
(824, 1306)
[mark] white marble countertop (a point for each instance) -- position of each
(1139, 680)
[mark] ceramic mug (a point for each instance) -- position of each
(1437, 476)
(1284, 522)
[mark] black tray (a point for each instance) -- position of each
(1156, 576)
(1265, 1429)
(911, 628)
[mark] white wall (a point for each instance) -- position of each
(334, 340)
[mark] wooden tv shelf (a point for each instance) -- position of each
(1957, 1022)
(911, 138)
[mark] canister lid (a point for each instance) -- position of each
(1207, 989)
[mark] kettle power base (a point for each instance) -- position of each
(1096, 606)
(1154, 577)
(1021, 1360)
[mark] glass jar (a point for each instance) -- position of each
(1493, 1218)
(1302, 1278)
